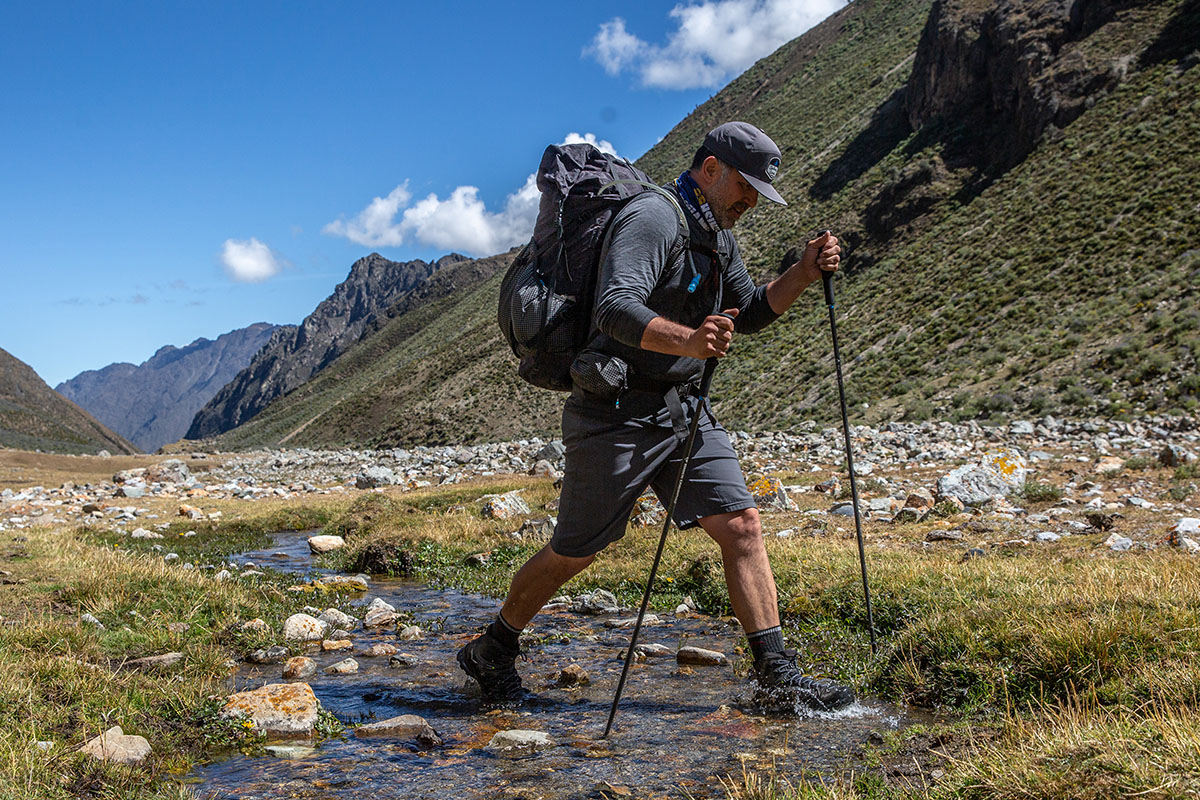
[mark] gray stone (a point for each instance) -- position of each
(164, 661)
(1118, 543)
(299, 667)
(374, 478)
(325, 544)
(116, 747)
(537, 530)
(303, 628)
(1047, 536)
(269, 655)
(344, 667)
(338, 619)
(88, 619)
(519, 742)
(1172, 455)
(405, 726)
(698, 656)
(601, 601)
(504, 506)
(998, 473)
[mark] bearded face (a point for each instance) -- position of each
(730, 196)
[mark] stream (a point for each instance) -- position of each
(679, 732)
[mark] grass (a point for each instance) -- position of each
(1055, 669)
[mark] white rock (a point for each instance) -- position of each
(325, 544)
(520, 742)
(303, 628)
(113, 745)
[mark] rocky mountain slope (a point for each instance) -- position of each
(153, 403)
(296, 353)
(34, 417)
(1010, 180)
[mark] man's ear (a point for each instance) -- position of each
(710, 171)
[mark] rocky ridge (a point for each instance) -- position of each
(295, 353)
(153, 403)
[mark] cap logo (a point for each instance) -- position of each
(772, 169)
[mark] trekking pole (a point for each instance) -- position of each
(709, 367)
(827, 281)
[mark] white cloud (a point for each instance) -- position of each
(249, 261)
(713, 41)
(461, 222)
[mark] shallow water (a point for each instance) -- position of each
(678, 731)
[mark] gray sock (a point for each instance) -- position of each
(766, 641)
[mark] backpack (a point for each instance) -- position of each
(547, 295)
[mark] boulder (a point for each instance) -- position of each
(1109, 465)
(337, 619)
(285, 710)
(170, 471)
(537, 530)
(769, 495)
(519, 742)
(325, 544)
(1175, 456)
(405, 726)
(998, 473)
(303, 628)
(114, 746)
(374, 478)
(299, 667)
(504, 506)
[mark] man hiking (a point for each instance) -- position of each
(657, 316)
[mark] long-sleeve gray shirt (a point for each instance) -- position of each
(644, 275)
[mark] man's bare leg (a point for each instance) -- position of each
(536, 582)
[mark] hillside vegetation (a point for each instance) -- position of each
(1013, 183)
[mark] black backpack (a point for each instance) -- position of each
(547, 295)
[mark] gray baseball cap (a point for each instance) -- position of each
(751, 152)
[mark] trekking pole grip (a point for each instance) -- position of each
(710, 365)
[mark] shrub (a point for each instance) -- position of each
(1034, 492)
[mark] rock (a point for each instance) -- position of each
(973, 553)
(544, 469)
(142, 533)
(269, 655)
(402, 661)
(648, 511)
(325, 544)
(504, 506)
(1047, 536)
(573, 675)
(943, 536)
(127, 475)
(380, 618)
(223, 576)
(333, 645)
(116, 747)
(843, 509)
(769, 495)
(1100, 521)
(376, 650)
(601, 601)
(1118, 543)
(409, 633)
(290, 752)
(374, 478)
(344, 667)
(191, 512)
(1109, 465)
(346, 583)
(833, 486)
(299, 667)
(1187, 525)
(1173, 455)
(881, 505)
(910, 515)
(653, 650)
(537, 530)
(303, 628)
(405, 726)
(164, 661)
(698, 656)
(170, 471)
(1191, 546)
(919, 499)
(256, 625)
(104, 454)
(649, 619)
(554, 452)
(998, 473)
(285, 710)
(337, 619)
(88, 619)
(1021, 428)
(519, 742)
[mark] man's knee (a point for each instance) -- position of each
(570, 566)
(736, 530)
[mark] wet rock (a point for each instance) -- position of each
(299, 667)
(159, 662)
(377, 650)
(336, 618)
(325, 544)
(573, 675)
(116, 747)
(290, 752)
(653, 650)
(402, 661)
(999, 473)
(601, 601)
(519, 742)
(380, 613)
(504, 506)
(285, 710)
(698, 656)
(303, 628)
(269, 655)
(346, 666)
(333, 645)
(649, 619)
(409, 633)
(405, 726)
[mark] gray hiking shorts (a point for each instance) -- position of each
(613, 454)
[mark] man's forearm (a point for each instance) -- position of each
(664, 336)
(784, 290)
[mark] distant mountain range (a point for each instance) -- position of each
(1011, 182)
(296, 353)
(34, 417)
(153, 403)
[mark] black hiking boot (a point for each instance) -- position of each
(493, 666)
(782, 688)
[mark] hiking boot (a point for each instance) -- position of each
(783, 688)
(493, 666)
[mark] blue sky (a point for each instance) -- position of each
(177, 170)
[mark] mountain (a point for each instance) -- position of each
(34, 417)
(295, 353)
(1013, 183)
(153, 403)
